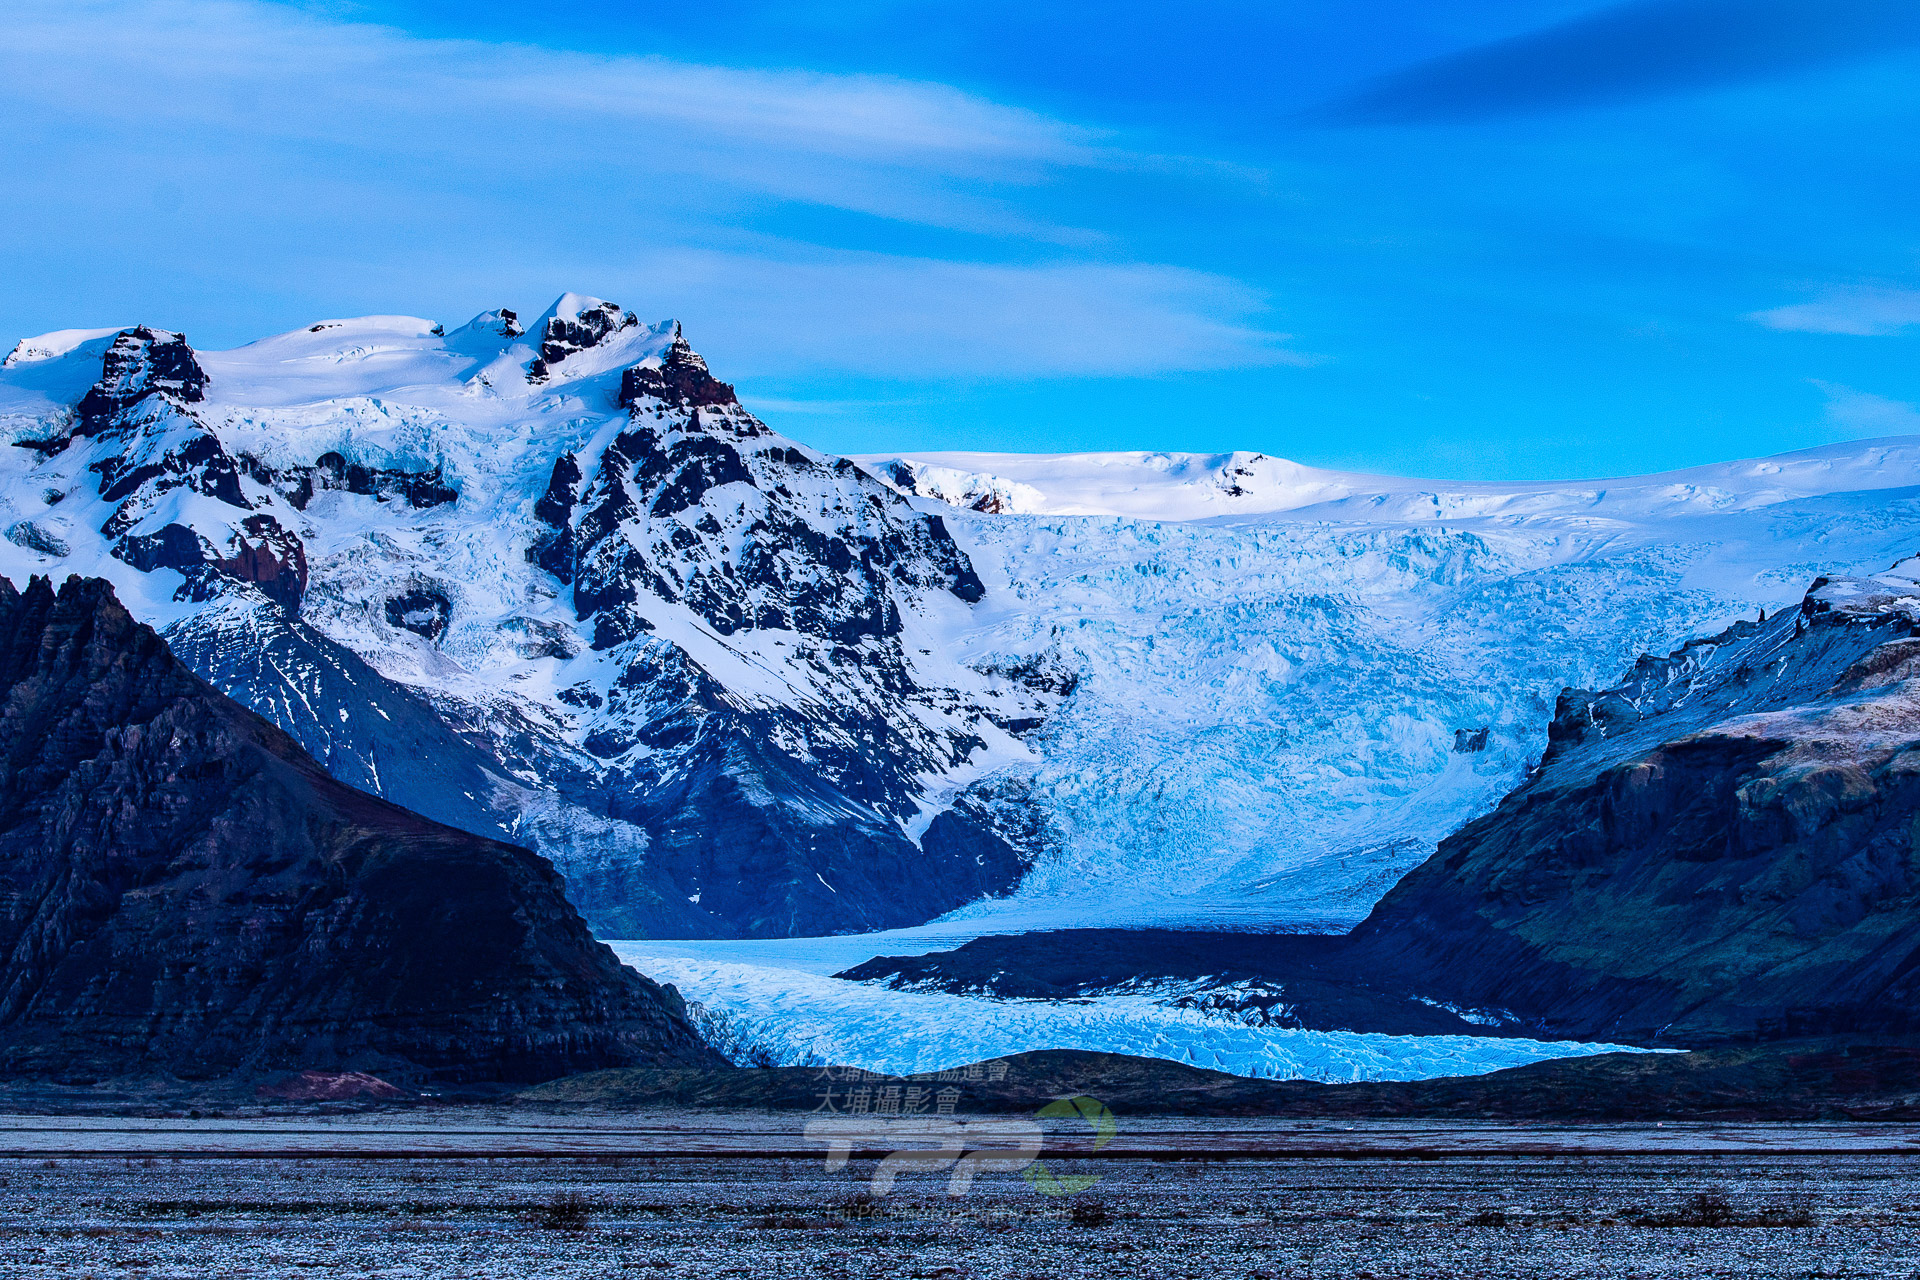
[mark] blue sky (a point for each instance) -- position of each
(1490, 239)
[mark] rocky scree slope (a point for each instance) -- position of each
(1726, 846)
(550, 582)
(184, 891)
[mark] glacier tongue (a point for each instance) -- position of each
(782, 1013)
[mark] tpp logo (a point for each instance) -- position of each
(961, 1148)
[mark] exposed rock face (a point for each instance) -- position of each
(141, 362)
(771, 817)
(1723, 846)
(183, 890)
(566, 334)
(172, 490)
(331, 470)
(1275, 980)
(681, 382)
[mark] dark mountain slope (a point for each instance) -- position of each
(1722, 846)
(183, 890)
(1725, 846)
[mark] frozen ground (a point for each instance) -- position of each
(776, 1006)
(1672, 1217)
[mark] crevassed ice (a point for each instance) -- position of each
(1264, 729)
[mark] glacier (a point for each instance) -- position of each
(1267, 706)
(1278, 670)
(783, 1012)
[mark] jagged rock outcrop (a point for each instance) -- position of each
(184, 891)
(571, 330)
(173, 491)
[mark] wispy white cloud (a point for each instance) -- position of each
(1857, 414)
(1862, 312)
(265, 72)
(241, 144)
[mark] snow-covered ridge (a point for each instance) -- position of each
(1200, 486)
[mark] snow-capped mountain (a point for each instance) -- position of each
(550, 581)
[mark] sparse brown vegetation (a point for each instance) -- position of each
(566, 1211)
(1502, 1218)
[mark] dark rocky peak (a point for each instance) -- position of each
(681, 382)
(189, 894)
(572, 325)
(141, 362)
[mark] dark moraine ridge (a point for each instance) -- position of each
(1786, 1080)
(185, 892)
